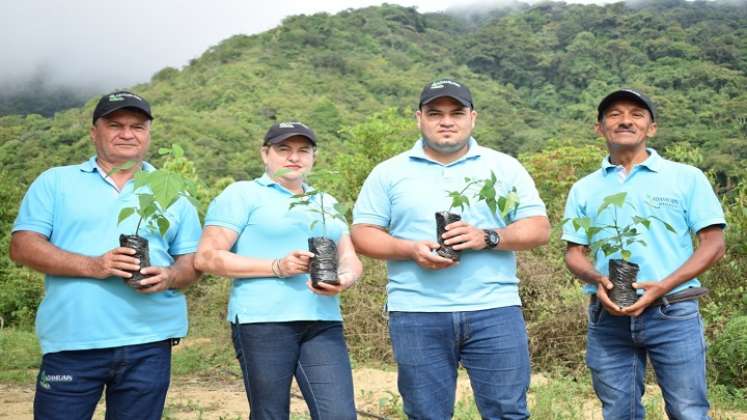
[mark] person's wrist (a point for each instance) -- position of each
(276, 270)
(347, 279)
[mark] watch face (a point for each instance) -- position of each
(491, 238)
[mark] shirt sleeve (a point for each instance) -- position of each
(703, 207)
(573, 209)
(37, 207)
(530, 203)
(188, 232)
(373, 205)
(231, 209)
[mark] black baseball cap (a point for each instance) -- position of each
(284, 130)
(446, 87)
(119, 100)
(629, 94)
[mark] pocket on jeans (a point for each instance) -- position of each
(403, 331)
(595, 312)
(687, 309)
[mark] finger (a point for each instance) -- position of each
(152, 270)
(321, 288)
(151, 281)
(460, 230)
(431, 245)
(123, 250)
(116, 265)
(121, 273)
(332, 288)
(300, 253)
(435, 258)
(466, 243)
(125, 258)
(454, 225)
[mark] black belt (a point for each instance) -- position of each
(683, 295)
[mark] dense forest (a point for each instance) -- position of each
(537, 73)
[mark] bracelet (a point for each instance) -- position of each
(276, 268)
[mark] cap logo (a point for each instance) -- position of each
(117, 97)
(440, 84)
(291, 124)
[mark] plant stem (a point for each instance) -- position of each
(324, 221)
(461, 193)
(137, 229)
(618, 237)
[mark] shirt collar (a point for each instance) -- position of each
(418, 152)
(653, 162)
(266, 181)
(91, 165)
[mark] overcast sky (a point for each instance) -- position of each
(104, 44)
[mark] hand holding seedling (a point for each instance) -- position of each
(621, 237)
(296, 262)
(461, 235)
(457, 235)
(652, 290)
(422, 253)
(116, 262)
(604, 285)
(157, 279)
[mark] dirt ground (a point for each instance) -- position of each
(190, 399)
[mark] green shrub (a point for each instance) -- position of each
(728, 354)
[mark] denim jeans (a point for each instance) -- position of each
(671, 336)
(272, 353)
(136, 378)
(492, 346)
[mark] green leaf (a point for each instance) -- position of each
(163, 224)
(144, 201)
(123, 167)
(178, 151)
(125, 213)
(166, 188)
(630, 231)
(643, 221)
(313, 224)
(593, 230)
(617, 200)
(625, 254)
(280, 172)
(666, 225)
(609, 249)
(510, 203)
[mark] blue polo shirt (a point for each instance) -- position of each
(403, 193)
(677, 193)
(259, 212)
(76, 208)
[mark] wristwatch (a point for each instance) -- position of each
(492, 238)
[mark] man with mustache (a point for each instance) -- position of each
(664, 323)
(443, 313)
(96, 331)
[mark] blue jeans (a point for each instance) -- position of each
(136, 379)
(492, 346)
(272, 353)
(671, 336)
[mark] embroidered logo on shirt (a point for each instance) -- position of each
(658, 202)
